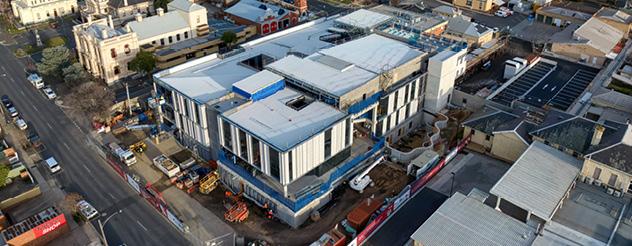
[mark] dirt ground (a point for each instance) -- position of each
(389, 180)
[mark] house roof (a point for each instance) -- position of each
(494, 121)
(364, 19)
(445, 9)
(121, 3)
(538, 180)
(256, 11)
(613, 99)
(272, 119)
(462, 25)
(565, 12)
(96, 30)
(184, 5)
(617, 154)
(157, 25)
(614, 15)
(600, 35)
(466, 221)
(575, 134)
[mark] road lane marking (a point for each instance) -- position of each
(87, 169)
(112, 196)
(142, 226)
(32, 105)
(66, 145)
(49, 126)
(21, 92)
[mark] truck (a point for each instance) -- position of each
(123, 155)
(36, 80)
(8, 153)
(167, 166)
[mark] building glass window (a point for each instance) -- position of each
(228, 140)
(256, 152)
(170, 39)
(597, 173)
(328, 143)
(488, 137)
(274, 163)
(117, 70)
(613, 180)
(127, 49)
(468, 3)
(186, 35)
(395, 100)
(178, 37)
(113, 52)
(162, 41)
(243, 145)
(290, 163)
(348, 131)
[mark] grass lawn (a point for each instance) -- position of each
(620, 87)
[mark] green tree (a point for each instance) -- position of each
(144, 62)
(229, 38)
(161, 4)
(75, 74)
(4, 174)
(53, 60)
(55, 41)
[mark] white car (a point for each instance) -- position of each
(50, 94)
(502, 13)
(36, 80)
(21, 124)
(52, 165)
(87, 210)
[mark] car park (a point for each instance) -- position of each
(87, 210)
(20, 123)
(50, 94)
(52, 165)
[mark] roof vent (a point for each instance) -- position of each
(263, 6)
(281, 12)
(299, 103)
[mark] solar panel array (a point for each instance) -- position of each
(525, 82)
(572, 89)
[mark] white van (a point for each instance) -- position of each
(36, 80)
(52, 165)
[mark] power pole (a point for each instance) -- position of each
(129, 104)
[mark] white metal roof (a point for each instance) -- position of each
(211, 77)
(256, 11)
(157, 25)
(600, 35)
(375, 53)
(538, 180)
(364, 19)
(465, 221)
(258, 81)
(329, 75)
(184, 5)
(280, 125)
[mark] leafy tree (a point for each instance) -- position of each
(53, 60)
(4, 174)
(70, 202)
(229, 38)
(161, 4)
(92, 99)
(75, 74)
(144, 62)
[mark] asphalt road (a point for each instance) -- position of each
(83, 170)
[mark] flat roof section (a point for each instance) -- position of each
(398, 229)
(331, 77)
(375, 53)
(466, 221)
(285, 118)
(363, 19)
(258, 81)
(538, 180)
(211, 77)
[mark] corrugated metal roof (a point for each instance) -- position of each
(364, 19)
(601, 36)
(538, 180)
(466, 221)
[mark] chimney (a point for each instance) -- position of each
(138, 17)
(110, 22)
(128, 28)
(104, 33)
(125, 3)
(160, 11)
(597, 134)
(89, 19)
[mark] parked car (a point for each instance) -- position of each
(50, 94)
(502, 13)
(6, 101)
(13, 112)
(36, 80)
(507, 10)
(87, 210)
(20, 123)
(52, 165)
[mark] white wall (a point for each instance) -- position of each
(400, 104)
(443, 69)
(189, 123)
(42, 10)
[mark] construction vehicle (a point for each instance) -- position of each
(209, 182)
(362, 180)
(138, 147)
(238, 211)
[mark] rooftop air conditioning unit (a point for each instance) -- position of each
(610, 191)
(581, 178)
(617, 193)
(588, 180)
(597, 182)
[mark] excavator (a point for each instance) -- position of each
(238, 211)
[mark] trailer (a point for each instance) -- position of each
(167, 166)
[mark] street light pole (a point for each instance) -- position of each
(101, 225)
(452, 183)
